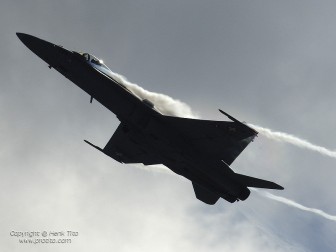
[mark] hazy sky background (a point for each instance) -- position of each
(270, 63)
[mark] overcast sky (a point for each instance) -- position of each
(270, 63)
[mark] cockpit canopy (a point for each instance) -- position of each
(93, 59)
(97, 64)
(102, 68)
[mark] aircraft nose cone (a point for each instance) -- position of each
(33, 43)
(22, 36)
(44, 49)
(26, 39)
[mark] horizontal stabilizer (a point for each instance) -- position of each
(256, 182)
(205, 195)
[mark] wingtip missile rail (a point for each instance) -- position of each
(239, 122)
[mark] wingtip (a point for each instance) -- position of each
(223, 112)
(95, 146)
(280, 187)
(254, 132)
(277, 187)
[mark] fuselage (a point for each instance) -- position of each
(140, 116)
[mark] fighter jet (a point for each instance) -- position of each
(199, 150)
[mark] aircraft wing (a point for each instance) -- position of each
(224, 140)
(127, 147)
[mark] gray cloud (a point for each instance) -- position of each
(170, 106)
(270, 64)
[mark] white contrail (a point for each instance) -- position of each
(164, 103)
(170, 106)
(284, 137)
(296, 205)
(288, 202)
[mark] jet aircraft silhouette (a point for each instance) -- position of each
(199, 150)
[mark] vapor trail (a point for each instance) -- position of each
(284, 137)
(288, 202)
(163, 103)
(170, 106)
(296, 205)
